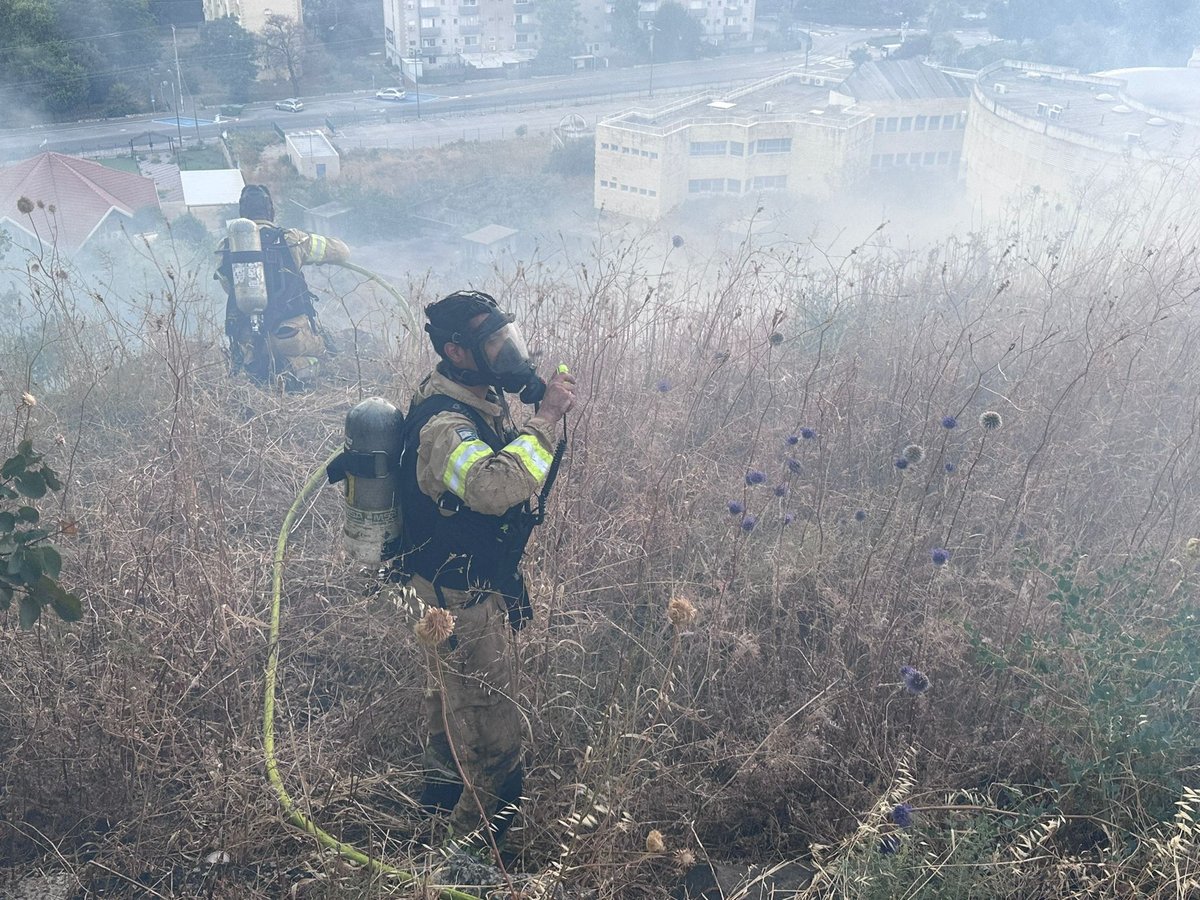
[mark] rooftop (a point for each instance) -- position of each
(790, 96)
(902, 79)
(1172, 90)
(77, 194)
(312, 144)
(489, 234)
(1093, 106)
(211, 187)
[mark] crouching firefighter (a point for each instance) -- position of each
(465, 482)
(270, 320)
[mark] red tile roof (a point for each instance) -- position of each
(82, 192)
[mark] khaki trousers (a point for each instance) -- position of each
(470, 703)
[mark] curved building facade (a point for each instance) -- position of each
(1083, 140)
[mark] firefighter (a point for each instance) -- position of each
(283, 339)
(466, 496)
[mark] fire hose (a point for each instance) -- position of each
(292, 812)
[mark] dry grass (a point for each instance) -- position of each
(1054, 754)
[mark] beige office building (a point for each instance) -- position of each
(251, 14)
(1085, 140)
(779, 134)
(920, 113)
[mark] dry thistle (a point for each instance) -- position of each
(684, 858)
(24, 206)
(435, 626)
(914, 453)
(1193, 547)
(28, 400)
(681, 612)
(655, 843)
(990, 420)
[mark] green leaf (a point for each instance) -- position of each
(66, 604)
(32, 565)
(15, 561)
(30, 610)
(51, 478)
(14, 465)
(31, 484)
(30, 536)
(51, 561)
(7, 493)
(6, 596)
(7, 522)
(25, 449)
(26, 514)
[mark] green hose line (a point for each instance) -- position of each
(414, 327)
(293, 814)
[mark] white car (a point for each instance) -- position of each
(390, 94)
(292, 104)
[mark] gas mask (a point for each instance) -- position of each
(502, 358)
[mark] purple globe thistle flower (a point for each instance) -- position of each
(860, 515)
(949, 422)
(902, 814)
(990, 420)
(748, 523)
(662, 386)
(901, 463)
(889, 844)
(775, 339)
(792, 440)
(939, 555)
(788, 518)
(676, 241)
(781, 490)
(736, 508)
(755, 477)
(793, 465)
(915, 681)
(808, 434)
(951, 468)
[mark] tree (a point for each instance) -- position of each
(860, 56)
(944, 48)
(676, 34)
(282, 44)
(627, 34)
(561, 35)
(230, 52)
(29, 566)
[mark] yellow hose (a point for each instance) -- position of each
(414, 327)
(293, 814)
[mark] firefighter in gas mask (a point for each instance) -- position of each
(270, 320)
(465, 495)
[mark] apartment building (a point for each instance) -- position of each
(724, 22)
(251, 14)
(778, 134)
(920, 113)
(480, 34)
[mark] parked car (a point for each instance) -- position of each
(390, 94)
(292, 104)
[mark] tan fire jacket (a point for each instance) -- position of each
(452, 457)
(307, 249)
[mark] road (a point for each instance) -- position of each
(603, 86)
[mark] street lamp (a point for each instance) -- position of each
(416, 61)
(651, 28)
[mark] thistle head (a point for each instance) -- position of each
(939, 555)
(681, 612)
(754, 477)
(915, 681)
(914, 453)
(435, 626)
(655, 842)
(949, 422)
(990, 420)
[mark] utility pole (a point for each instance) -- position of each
(416, 61)
(651, 29)
(179, 88)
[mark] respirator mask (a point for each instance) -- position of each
(502, 358)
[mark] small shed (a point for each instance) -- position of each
(330, 219)
(313, 155)
(490, 242)
(208, 193)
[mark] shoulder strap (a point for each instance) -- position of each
(420, 413)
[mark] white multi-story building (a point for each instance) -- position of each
(446, 34)
(251, 14)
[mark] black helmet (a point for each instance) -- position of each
(450, 318)
(255, 203)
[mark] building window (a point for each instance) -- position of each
(706, 186)
(653, 193)
(770, 182)
(522, 39)
(875, 161)
(878, 125)
(708, 148)
(737, 148)
(887, 160)
(914, 159)
(428, 23)
(919, 124)
(892, 122)
(625, 150)
(775, 145)
(733, 185)
(906, 123)
(943, 158)
(428, 42)
(948, 123)
(642, 191)
(930, 159)
(625, 188)
(935, 123)
(603, 183)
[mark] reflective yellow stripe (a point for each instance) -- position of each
(532, 454)
(317, 248)
(464, 456)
